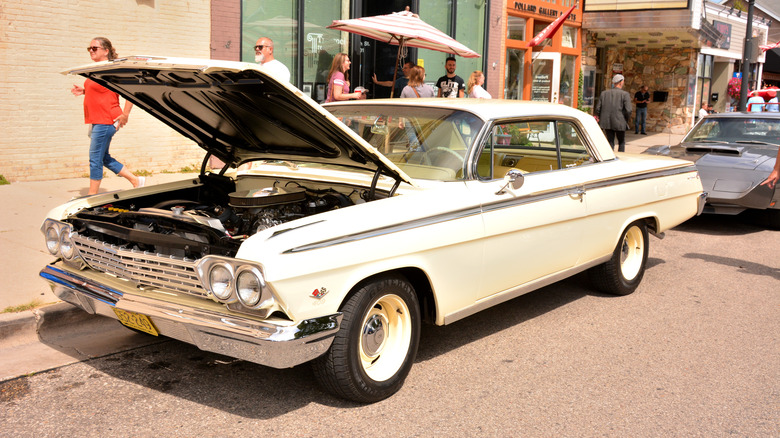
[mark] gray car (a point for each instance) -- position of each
(734, 153)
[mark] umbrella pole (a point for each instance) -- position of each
(395, 67)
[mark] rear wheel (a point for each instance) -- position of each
(623, 272)
(375, 348)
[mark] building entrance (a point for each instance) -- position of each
(377, 57)
(546, 68)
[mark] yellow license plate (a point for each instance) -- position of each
(136, 321)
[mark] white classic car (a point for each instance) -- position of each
(333, 232)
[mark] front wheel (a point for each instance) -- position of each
(375, 348)
(623, 272)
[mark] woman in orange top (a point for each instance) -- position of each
(102, 111)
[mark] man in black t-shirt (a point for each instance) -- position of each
(641, 98)
(450, 85)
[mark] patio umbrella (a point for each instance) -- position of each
(403, 29)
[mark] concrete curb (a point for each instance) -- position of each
(53, 320)
(57, 335)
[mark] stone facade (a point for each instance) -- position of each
(42, 123)
(672, 70)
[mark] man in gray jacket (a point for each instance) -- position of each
(612, 112)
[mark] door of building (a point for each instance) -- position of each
(545, 74)
(376, 57)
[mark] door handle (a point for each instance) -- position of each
(578, 192)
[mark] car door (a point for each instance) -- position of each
(535, 231)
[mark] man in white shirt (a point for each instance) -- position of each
(704, 110)
(264, 55)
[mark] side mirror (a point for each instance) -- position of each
(513, 177)
(379, 127)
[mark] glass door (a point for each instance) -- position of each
(546, 74)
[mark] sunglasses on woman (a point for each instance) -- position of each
(93, 48)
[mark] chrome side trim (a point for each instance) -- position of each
(577, 190)
(691, 168)
(266, 343)
(422, 222)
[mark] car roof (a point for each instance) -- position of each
(486, 109)
(746, 115)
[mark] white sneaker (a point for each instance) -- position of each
(141, 181)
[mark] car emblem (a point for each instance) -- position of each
(319, 293)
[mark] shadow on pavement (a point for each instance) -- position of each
(254, 391)
(724, 225)
(743, 265)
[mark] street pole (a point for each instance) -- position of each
(746, 50)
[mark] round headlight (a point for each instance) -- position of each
(221, 281)
(52, 240)
(249, 285)
(66, 246)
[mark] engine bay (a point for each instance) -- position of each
(213, 217)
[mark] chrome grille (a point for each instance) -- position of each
(142, 267)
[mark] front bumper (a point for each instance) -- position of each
(262, 342)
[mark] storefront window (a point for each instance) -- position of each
(538, 27)
(515, 28)
(566, 90)
(320, 45)
(588, 85)
(513, 83)
(470, 31)
(279, 21)
(569, 36)
(437, 13)
(703, 80)
(275, 20)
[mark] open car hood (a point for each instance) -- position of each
(237, 111)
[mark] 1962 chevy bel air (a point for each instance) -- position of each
(334, 231)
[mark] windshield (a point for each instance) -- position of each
(426, 143)
(736, 130)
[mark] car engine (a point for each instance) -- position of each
(212, 218)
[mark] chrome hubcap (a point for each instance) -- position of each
(385, 337)
(373, 335)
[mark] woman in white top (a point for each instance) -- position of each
(474, 86)
(416, 87)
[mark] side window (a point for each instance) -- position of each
(531, 146)
(573, 149)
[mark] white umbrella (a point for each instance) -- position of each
(404, 29)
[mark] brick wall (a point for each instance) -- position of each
(226, 29)
(42, 124)
(496, 32)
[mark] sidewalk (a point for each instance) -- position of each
(637, 143)
(22, 248)
(34, 333)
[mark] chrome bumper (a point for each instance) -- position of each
(273, 345)
(702, 202)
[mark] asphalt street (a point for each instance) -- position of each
(693, 352)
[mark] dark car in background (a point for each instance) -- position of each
(734, 153)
